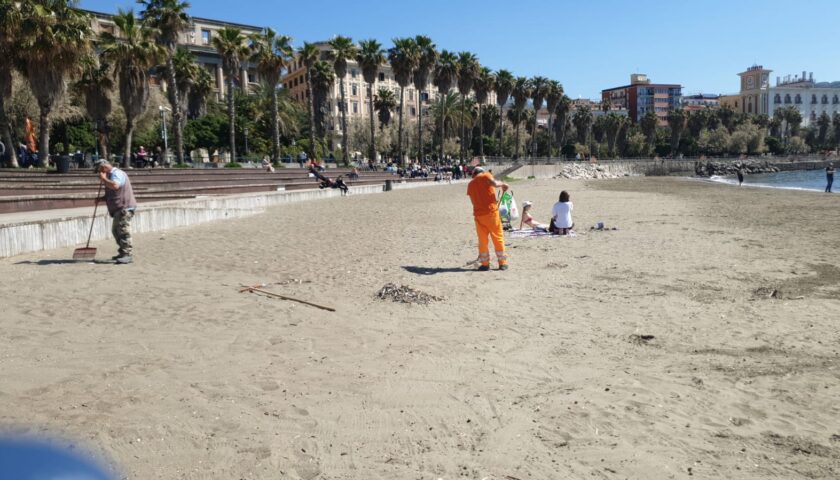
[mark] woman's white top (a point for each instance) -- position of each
(562, 215)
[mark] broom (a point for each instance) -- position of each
(86, 252)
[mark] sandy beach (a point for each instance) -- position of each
(698, 339)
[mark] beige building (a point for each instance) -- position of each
(198, 40)
(355, 90)
(753, 96)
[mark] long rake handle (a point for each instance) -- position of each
(93, 219)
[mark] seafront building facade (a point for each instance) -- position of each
(642, 96)
(198, 41)
(356, 94)
(700, 101)
(811, 98)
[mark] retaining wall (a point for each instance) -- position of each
(47, 230)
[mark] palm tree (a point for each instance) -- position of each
(563, 111)
(201, 89)
(96, 86)
(484, 84)
(582, 118)
(308, 54)
(370, 57)
(553, 96)
(404, 58)
(385, 103)
(676, 120)
(11, 21)
(230, 43)
(427, 57)
(184, 76)
(503, 87)
(271, 54)
(521, 92)
(447, 111)
(133, 53)
(614, 125)
(343, 49)
(538, 92)
(322, 78)
(55, 38)
(648, 123)
(446, 71)
(169, 18)
(468, 69)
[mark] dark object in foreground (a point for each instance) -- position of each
(283, 297)
(405, 294)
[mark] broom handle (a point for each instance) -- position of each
(93, 219)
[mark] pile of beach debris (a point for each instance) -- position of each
(405, 294)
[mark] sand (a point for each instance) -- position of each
(700, 338)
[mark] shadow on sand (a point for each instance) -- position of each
(436, 270)
(64, 262)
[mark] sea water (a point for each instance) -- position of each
(794, 180)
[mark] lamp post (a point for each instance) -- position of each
(163, 111)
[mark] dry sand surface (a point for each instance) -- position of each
(699, 339)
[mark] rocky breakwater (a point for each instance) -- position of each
(711, 168)
(584, 171)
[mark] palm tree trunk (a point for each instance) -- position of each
(6, 136)
(518, 121)
(345, 137)
(550, 133)
(104, 142)
(480, 134)
(231, 119)
(372, 150)
(400, 129)
(129, 135)
(463, 148)
(176, 110)
(534, 136)
(442, 126)
(420, 126)
(311, 106)
(44, 147)
(501, 128)
(275, 124)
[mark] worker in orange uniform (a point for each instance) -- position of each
(482, 192)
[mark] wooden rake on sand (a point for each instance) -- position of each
(87, 253)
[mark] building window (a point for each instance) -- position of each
(381, 77)
(835, 100)
(354, 90)
(777, 99)
(413, 112)
(825, 99)
(355, 107)
(787, 98)
(205, 37)
(798, 99)
(353, 74)
(425, 97)
(813, 99)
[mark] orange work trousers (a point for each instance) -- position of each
(490, 225)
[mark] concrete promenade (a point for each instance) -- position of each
(49, 229)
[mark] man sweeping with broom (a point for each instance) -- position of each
(482, 192)
(119, 197)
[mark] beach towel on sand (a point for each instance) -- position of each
(529, 233)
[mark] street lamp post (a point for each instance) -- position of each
(246, 142)
(163, 111)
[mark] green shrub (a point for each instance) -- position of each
(233, 165)
(182, 165)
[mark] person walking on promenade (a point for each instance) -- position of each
(482, 193)
(829, 177)
(740, 175)
(119, 197)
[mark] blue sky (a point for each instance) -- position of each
(587, 45)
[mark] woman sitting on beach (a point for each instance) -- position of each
(561, 215)
(528, 220)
